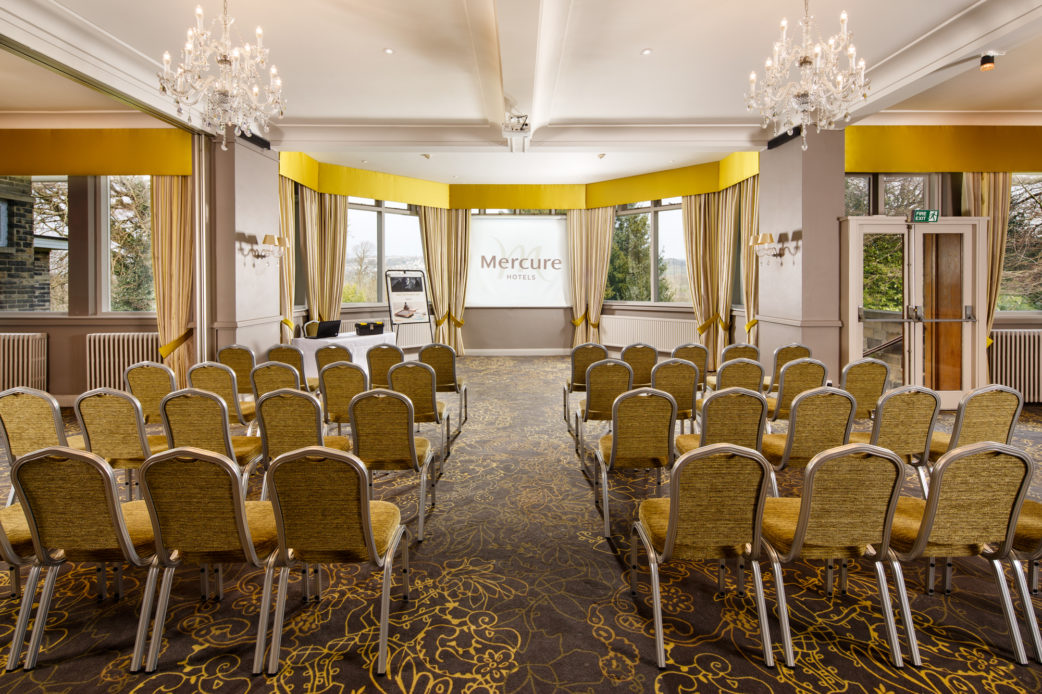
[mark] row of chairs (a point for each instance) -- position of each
(194, 513)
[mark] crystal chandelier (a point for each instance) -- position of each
(223, 79)
(806, 82)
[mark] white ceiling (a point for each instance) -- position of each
(573, 66)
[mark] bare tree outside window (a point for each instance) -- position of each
(131, 286)
(1021, 287)
(51, 219)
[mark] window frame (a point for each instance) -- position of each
(1013, 318)
(652, 208)
(380, 208)
(103, 250)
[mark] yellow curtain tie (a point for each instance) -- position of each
(723, 326)
(702, 329)
(595, 326)
(168, 349)
(458, 322)
(438, 322)
(989, 342)
(579, 321)
(288, 323)
(749, 325)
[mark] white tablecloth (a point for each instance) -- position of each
(358, 344)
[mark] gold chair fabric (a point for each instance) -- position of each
(796, 377)
(288, 354)
(339, 383)
(782, 356)
(114, 428)
(149, 382)
(697, 355)
(820, 419)
(735, 416)
(271, 376)
(242, 361)
(380, 359)
(681, 380)
(642, 359)
(865, 379)
(292, 419)
(220, 380)
(331, 354)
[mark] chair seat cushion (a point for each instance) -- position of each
(780, 516)
(592, 415)
(907, 519)
(773, 447)
(260, 519)
(76, 441)
(429, 417)
(248, 409)
(139, 529)
(687, 442)
(711, 381)
(424, 454)
(16, 527)
(772, 403)
(860, 437)
(650, 461)
(312, 383)
(341, 443)
(156, 444)
(384, 517)
(246, 448)
(654, 515)
(1028, 537)
(939, 443)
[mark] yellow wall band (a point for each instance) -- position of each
(931, 148)
(520, 197)
(76, 152)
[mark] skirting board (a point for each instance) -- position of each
(529, 352)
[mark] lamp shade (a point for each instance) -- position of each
(270, 240)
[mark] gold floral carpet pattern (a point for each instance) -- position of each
(514, 590)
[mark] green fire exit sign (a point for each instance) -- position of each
(919, 216)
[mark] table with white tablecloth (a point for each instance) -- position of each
(358, 344)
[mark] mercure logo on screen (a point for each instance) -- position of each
(520, 263)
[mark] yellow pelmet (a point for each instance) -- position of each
(76, 152)
(930, 148)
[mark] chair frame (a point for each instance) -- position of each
(575, 387)
(443, 422)
(172, 378)
(580, 443)
(235, 388)
(377, 349)
(271, 364)
(336, 349)
(878, 422)
(720, 394)
(793, 414)
(694, 395)
(59, 426)
(460, 389)
(860, 362)
(146, 449)
(774, 416)
(775, 379)
(301, 373)
(253, 357)
(702, 370)
(639, 347)
(731, 363)
(324, 391)
(304, 327)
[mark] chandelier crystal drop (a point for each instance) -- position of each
(811, 82)
(223, 79)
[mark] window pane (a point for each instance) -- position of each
(50, 244)
(672, 261)
(130, 244)
(903, 193)
(857, 198)
(403, 247)
(672, 201)
(1021, 288)
(352, 200)
(635, 205)
(360, 263)
(396, 205)
(629, 268)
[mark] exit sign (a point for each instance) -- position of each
(919, 216)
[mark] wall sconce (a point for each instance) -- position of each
(269, 251)
(787, 244)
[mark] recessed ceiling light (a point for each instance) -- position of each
(365, 161)
(388, 51)
(646, 51)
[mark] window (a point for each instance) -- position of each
(648, 234)
(4, 242)
(51, 236)
(1021, 286)
(891, 194)
(858, 195)
(130, 286)
(380, 235)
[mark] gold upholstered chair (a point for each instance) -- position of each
(606, 380)
(442, 358)
(582, 357)
(220, 380)
(904, 420)
(196, 504)
(866, 380)
(820, 419)
(642, 359)
(339, 383)
(73, 514)
(740, 373)
(291, 419)
(271, 376)
(417, 382)
(681, 379)
(16, 544)
(782, 356)
(713, 512)
(149, 382)
(331, 354)
(310, 328)
(199, 419)
(114, 428)
(642, 423)
(324, 516)
(739, 350)
(845, 512)
(383, 434)
(30, 420)
(975, 497)
(736, 416)
(798, 376)
(380, 359)
(1027, 546)
(989, 413)
(288, 354)
(242, 361)
(696, 354)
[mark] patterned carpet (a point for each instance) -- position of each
(514, 590)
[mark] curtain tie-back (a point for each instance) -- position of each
(702, 329)
(288, 323)
(989, 342)
(750, 324)
(579, 321)
(168, 349)
(595, 326)
(723, 326)
(458, 322)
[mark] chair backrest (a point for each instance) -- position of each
(641, 358)
(821, 419)
(380, 359)
(321, 502)
(582, 356)
(987, 414)
(310, 328)
(441, 358)
(71, 503)
(736, 416)
(197, 509)
(382, 429)
(271, 376)
(331, 354)
(416, 381)
(642, 425)
(199, 419)
(696, 354)
(606, 380)
(905, 418)
(149, 382)
(339, 383)
(716, 499)
(218, 379)
(783, 355)
(288, 354)
(241, 360)
(740, 373)
(29, 420)
(798, 376)
(740, 350)
(289, 419)
(975, 496)
(849, 496)
(866, 380)
(112, 424)
(679, 378)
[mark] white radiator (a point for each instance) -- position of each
(109, 354)
(1015, 360)
(661, 333)
(414, 335)
(23, 360)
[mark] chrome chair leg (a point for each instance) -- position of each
(829, 579)
(888, 615)
(931, 576)
(761, 612)
(28, 595)
(145, 617)
(948, 576)
(262, 615)
(1027, 606)
(158, 625)
(1007, 612)
(102, 581)
(41, 616)
(906, 610)
(280, 614)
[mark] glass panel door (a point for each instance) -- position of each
(883, 306)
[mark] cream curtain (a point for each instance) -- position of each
(987, 195)
(577, 244)
(600, 225)
(709, 229)
(446, 252)
(286, 265)
(173, 262)
(324, 244)
(749, 211)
